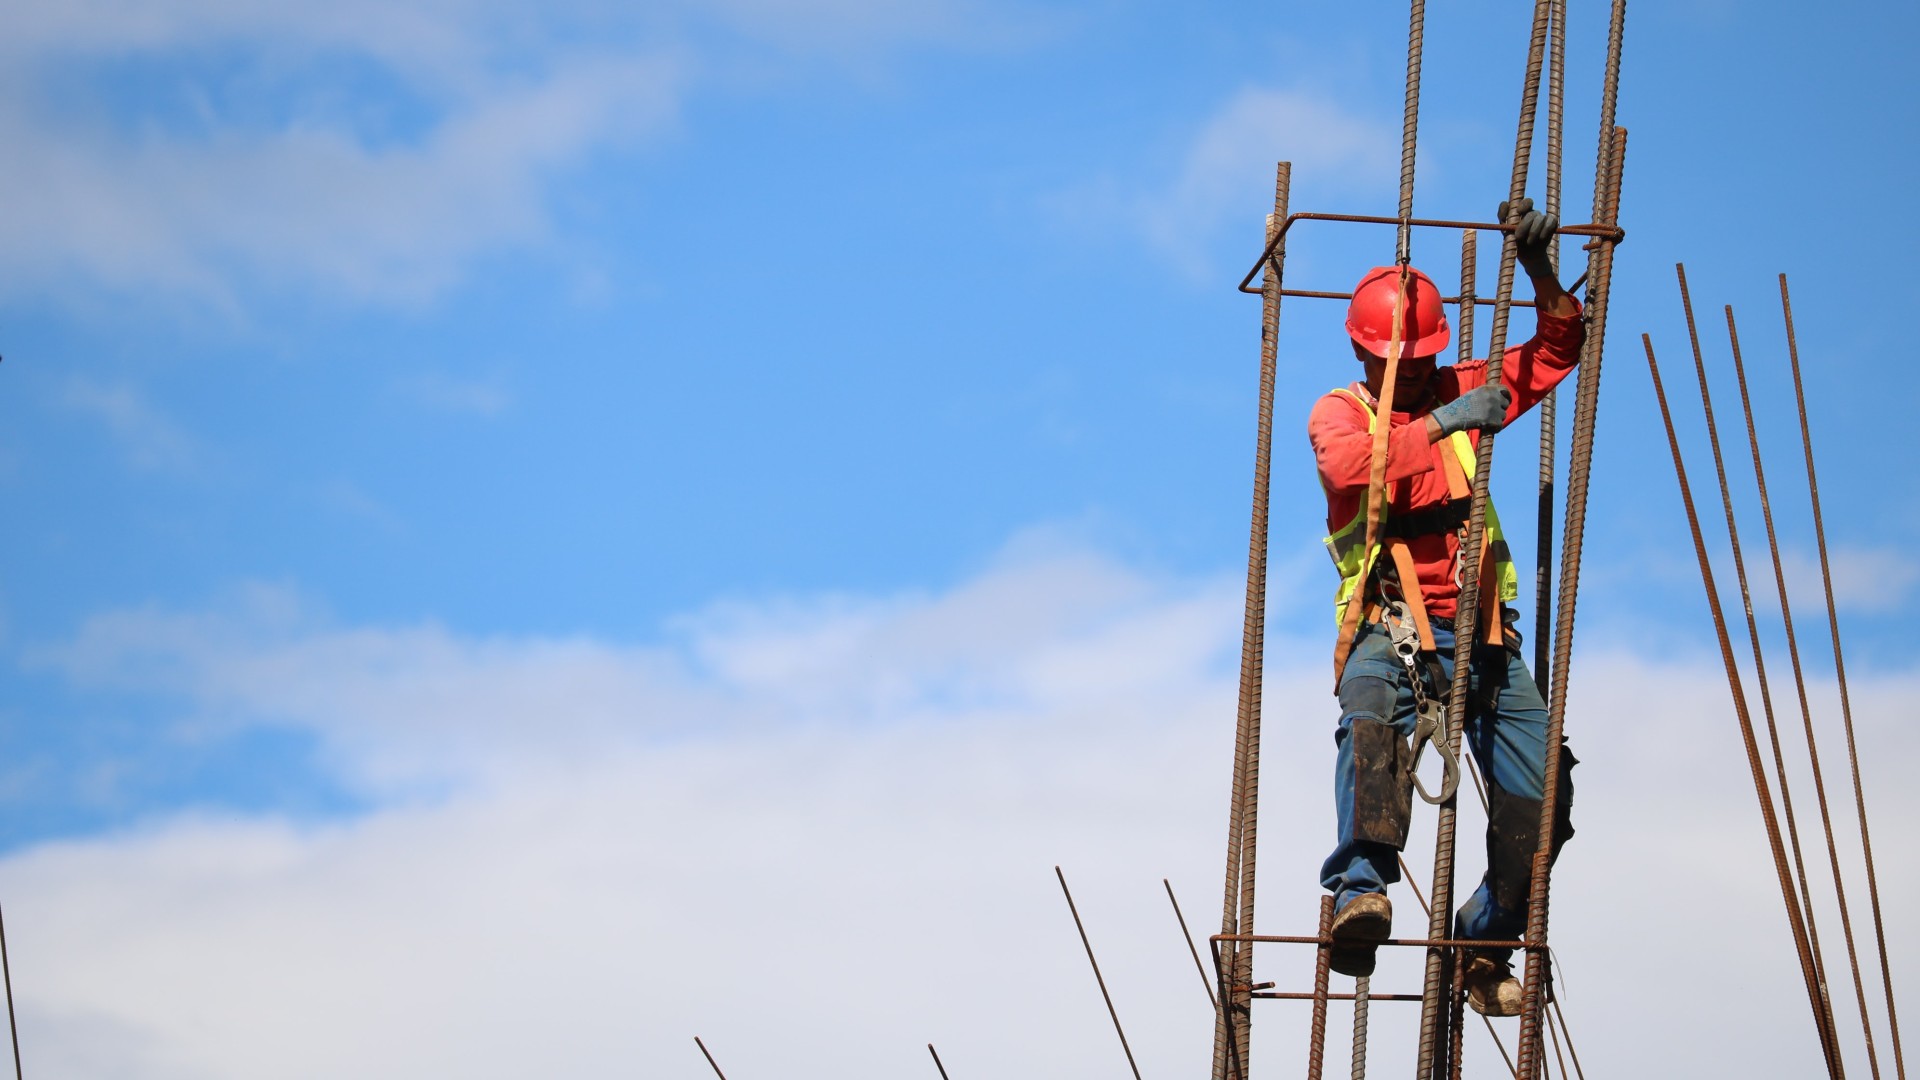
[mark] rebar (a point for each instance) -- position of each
(1322, 966)
(1191, 947)
(1467, 612)
(13, 1027)
(1809, 948)
(1410, 127)
(1231, 1014)
(1813, 745)
(1840, 670)
(709, 1056)
(1543, 522)
(1097, 977)
(1586, 409)
(936, 1061)
(1745, 719)
(1362, 987)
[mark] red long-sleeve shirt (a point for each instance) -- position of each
(1343, 448)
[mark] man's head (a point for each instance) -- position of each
(1423, 326)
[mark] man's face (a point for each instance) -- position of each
(1409, 381)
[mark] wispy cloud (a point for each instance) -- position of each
(627, 836)
(371, 151)
(148, 438)
(1224, 174)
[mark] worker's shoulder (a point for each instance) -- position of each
(1340, 401)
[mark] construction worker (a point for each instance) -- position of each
(1406, 590)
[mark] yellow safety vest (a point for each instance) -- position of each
(1356, 565)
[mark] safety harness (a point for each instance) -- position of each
(1405, 617)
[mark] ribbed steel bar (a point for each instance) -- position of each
(1410, 127)
(1232, 1019)
(936, 1061)
(1598, 232)
(1438, 987)
(1322, 967)
(1608, 170)
(1813, 744)
(1097, 977)
(1760, 786)
(1840, 669)
(1362, 993)
(1811, 946)
(1187, 934)
(709, 1056)
(1586, 411)
(1543, 522)
(13, 1027)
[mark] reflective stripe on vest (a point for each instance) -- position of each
(1356, 564)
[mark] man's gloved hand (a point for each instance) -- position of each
(1535, 231)
(1483, 408)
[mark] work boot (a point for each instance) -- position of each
(1491, 988)
(1357, 930)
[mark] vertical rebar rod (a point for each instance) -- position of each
(13, 1027)
(1205, 983)
(1436, 990)
(1410, 127)
(1097, 977)
(709, 1056)
(1362, 986)
(1233, 1014)
(1745, 719)
(1808, 946)
(1813, 745)
(1586, 411)
(1543, 522)
(936, 1061)
(1322, 966)
(1840, 669)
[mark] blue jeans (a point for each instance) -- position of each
(1508, 741)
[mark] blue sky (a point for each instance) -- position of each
(421, 410)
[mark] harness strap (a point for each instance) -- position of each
(1445, 517)
(1416, 603)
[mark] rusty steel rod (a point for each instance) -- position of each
(1276, 995)
(1097, 977)
(1362, 995)
(709, 1056)
(1813, 745)
(1840, 669)
(1205, 984)
(1586, 410)
(1435, 1011)
(1809, 947)
(1412, 942)
(1322, 966)
(1458, 301)
(1232, 1014)
(1410, 127)
(936, 1061)
(1543, 519)
(1745, 719)
(1554, 1011)
(13, 1027)
(1596, 232)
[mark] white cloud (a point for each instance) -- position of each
(1225, 173)
(150, 439)
(371, 151)
(820, 834)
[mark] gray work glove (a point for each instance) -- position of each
(1483, 408)
(1535, 232)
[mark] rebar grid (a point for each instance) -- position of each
(1840, 670)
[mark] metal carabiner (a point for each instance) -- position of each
(1431, 728)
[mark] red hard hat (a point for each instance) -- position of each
(1423, 323)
